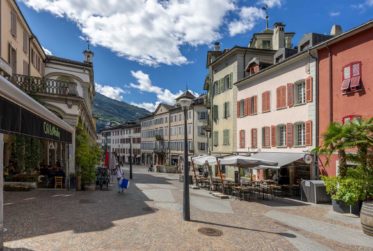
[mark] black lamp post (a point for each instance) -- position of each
(185, 100)
(130, 158)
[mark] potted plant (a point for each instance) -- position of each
(353, 142)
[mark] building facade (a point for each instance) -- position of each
(345, 82)
(228, 67)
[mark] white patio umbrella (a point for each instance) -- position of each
(201, 160)
(245, 161)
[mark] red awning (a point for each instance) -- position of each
(346, 84)
(355, 82)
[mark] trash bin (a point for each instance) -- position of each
(181, 179)
(314, 191)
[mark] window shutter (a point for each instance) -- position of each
(13, 23)
(290, 87)
(255, 98)
(238, 109)
(273, 136)
(246, 105)
(283, 97)
(309, 90)
(267, 136)
(289, 135)
(242, 138)
(309, 133)
(268, 101)
(278, 97)
(254, 138)
(249, 106)
(230, 80)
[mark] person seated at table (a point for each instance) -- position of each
(275, 177)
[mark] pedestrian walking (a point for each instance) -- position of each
(120, 176)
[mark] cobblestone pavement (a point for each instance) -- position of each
(148, 217)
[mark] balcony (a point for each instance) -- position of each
(34, 85)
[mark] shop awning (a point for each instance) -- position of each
(21, 114)
(201, 160)
(246, 161)
(282, 159)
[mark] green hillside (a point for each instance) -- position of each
(112, 111)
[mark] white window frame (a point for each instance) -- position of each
(281, 135)
(300, 134)
(300, 92)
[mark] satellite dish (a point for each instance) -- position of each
(308, 158)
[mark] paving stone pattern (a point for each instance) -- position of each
(148, 216)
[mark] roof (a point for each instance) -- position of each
(68, 61)
(130, 124)
(344, 35)
(187, 94)
(239, 48)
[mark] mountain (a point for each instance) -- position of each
(108, 110)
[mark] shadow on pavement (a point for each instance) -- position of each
(17, 249)
(288, 235)
(53, 211)
(280, 202)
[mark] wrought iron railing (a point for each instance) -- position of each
(36, 85)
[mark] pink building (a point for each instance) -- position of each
(276, 117)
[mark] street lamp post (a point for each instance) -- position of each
(185, 100)
(130, 158)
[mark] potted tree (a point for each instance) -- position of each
(353, 142)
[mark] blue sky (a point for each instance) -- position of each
(146, 52)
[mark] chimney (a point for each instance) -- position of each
(336, 30)
(278, 39)
(217, 46)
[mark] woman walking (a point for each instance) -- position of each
(120, 176)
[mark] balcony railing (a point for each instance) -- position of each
(36, 85)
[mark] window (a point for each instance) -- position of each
(189, 129)
(25, 42)
(266, 131)
(215, 113)
(300, 92)
(281, 135)
(226, 82)
(226, 137)
(253, 105)
(13, 23)
(226, 110)
(25, 68)
(13, 59)
(202, 115)
(242, 108)
(201, 131)
(216, 138)
(189, 114)
(300, 134)
(351, 77)
(201, 146)
(266, 44)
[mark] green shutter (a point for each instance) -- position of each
(230, 80)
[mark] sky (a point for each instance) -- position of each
(147, 52)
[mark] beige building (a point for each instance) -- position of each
(227, 67)
(64, 86)
(162, 133)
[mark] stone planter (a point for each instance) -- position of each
(341, 207)
(91, 187)
(366, 217)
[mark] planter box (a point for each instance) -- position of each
(19, 186)
(341, 207)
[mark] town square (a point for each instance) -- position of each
(186, 125)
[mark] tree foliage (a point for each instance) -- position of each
(88, 155)
(353, 142)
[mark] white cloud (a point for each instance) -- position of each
(148, 106)
(271, 3)
(150, 32)
(248, 17)
(163, 95)
(363, 5)
(110, 91)
(334, 13)
(47, 52)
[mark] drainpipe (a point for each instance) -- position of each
(244, 64)
(1, 35)
(317, 112)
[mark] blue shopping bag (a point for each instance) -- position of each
(124, 183)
